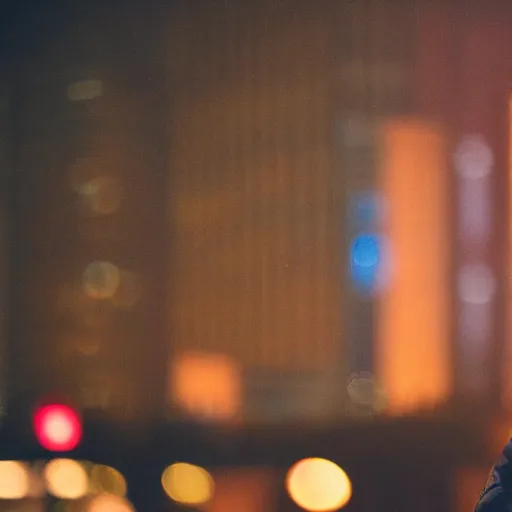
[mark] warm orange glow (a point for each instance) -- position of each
(467, 486)
(66, 478)
(188, 484)
(318, 485)
(206, 386)
(413, 355)
(109, 503)
(242, 489)
(507, 376)
(14, 480)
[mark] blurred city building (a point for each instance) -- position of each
(249, 212)
(298, 194)
(88, 229)
(296, 159)
(254, 204)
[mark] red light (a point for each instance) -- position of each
(57, 427)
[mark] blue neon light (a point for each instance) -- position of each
(365, 261)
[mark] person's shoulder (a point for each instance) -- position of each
(496, 495)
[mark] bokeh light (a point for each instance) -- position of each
(206, 386)
(366, 262)
(57, 427)
(476, 284)
(109, 503)
(14, 480)
(105, 479)
(101, 195)
(474, 158)
(101, 280)
(188, 484)
(318, 485)
(66, 479)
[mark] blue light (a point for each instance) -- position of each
(365, 261)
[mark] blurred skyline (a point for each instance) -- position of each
(271, 217)
(286, 188)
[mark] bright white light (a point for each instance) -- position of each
(473, 158)
(476, 284)
(60, 428)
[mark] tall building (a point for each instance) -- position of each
(282, 120)
(89, 239)
(255, 208)
(247, 208)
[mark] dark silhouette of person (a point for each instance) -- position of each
(497, 493)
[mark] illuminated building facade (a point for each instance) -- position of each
(282, 123)
(272, 193)
(255, 208)
(317, 210)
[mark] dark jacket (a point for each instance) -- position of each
(497, 493)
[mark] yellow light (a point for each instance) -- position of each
(318, 485)
(105, 479)
(66, 479)
(109, 503)
(188, 484)
(14, 480)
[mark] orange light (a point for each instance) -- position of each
(318, 485)
(506, 374)
(66, 479)
(206, 386)
(109, 503)
(14, 480)
(413, 350)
